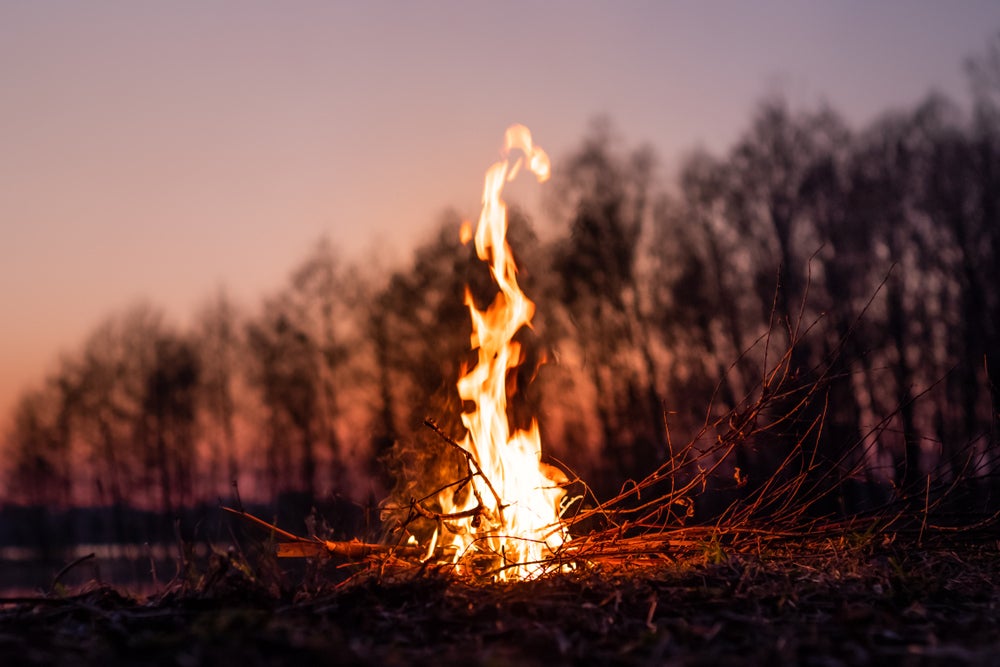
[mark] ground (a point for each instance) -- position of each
(823, 605)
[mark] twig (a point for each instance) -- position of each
(438, 516)
(236, 494)
(352, 550)
(269, 526)
(70, 566)
(927, 509)
(432, 425)
(305, 547)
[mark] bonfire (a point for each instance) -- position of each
(506, 516)
(508, 507)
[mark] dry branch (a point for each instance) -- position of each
(312, 547)
(646, 519)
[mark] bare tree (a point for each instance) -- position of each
(221, 358)
(607, 199)
(167, 427)
(39, 467)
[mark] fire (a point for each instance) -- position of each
(513, 508)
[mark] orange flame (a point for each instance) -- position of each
(518, 501)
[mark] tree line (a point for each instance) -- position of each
(870, 253)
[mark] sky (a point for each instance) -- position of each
(161, 150)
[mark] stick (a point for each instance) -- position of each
(429, 423)
(70, 566)
(269, 526)
(304, 547)
(353, 549)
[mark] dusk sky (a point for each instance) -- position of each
(161, 150)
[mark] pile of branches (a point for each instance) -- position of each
(653, 519)
(800, 502)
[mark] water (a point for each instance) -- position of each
(137, 569)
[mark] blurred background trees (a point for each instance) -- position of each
(661, 307)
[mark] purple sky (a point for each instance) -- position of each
(161, 150)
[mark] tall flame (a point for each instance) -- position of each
(516, 496)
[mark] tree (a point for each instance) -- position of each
(607, 199)
(168, 423)
(700, 305)
(421, 335)
(38, 448)
(221, 357)
(301, 345)
(111, 378)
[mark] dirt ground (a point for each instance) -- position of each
(893, 604)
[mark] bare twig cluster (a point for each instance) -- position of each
(657, 516)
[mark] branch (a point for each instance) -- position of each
(472, 462)
(305, 547)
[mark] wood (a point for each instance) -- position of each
(312, 547)
(352, 549)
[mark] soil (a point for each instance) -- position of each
(823, 604)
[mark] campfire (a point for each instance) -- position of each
(503, 515)
(507, 509)
(509, 505)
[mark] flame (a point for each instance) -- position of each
(514, 502)
(465, 232)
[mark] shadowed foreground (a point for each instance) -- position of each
(827, 605)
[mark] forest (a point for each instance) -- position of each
(866, 256)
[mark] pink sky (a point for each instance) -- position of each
(160, 150)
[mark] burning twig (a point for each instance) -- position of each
(311, 547)
(472, 463)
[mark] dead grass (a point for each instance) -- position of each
(860, 601)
